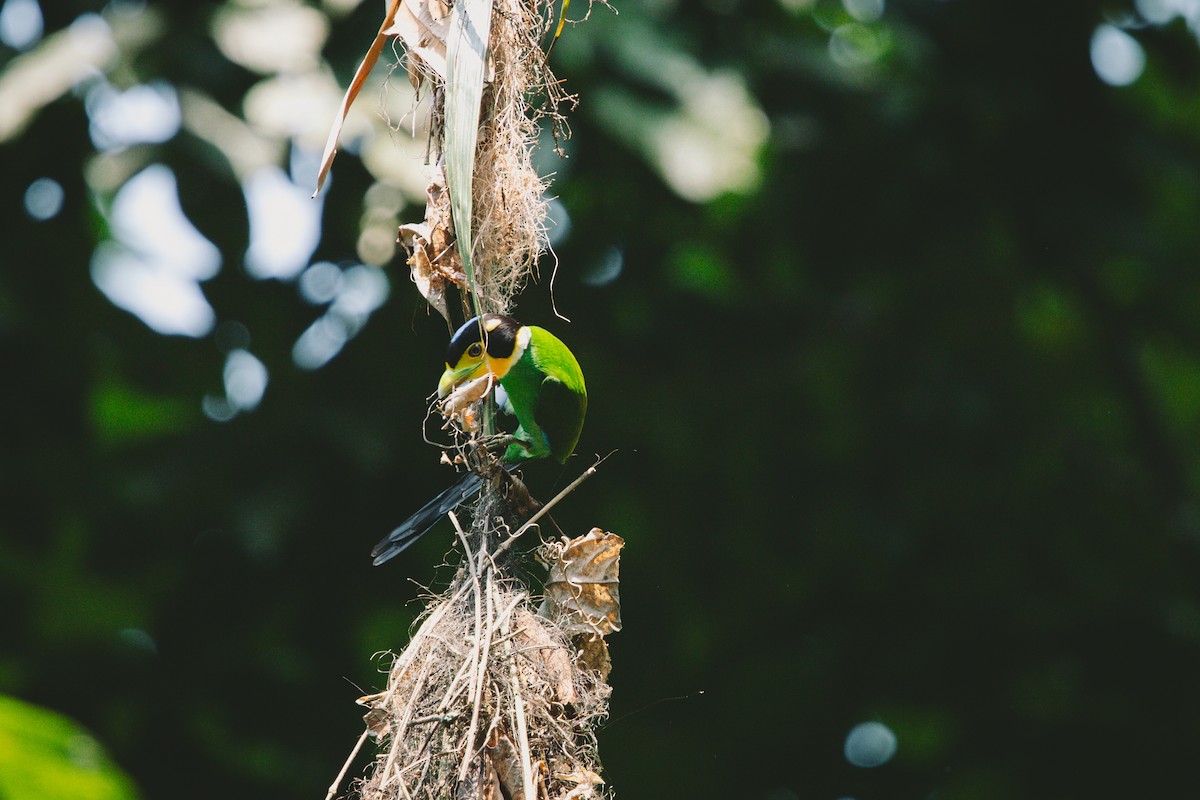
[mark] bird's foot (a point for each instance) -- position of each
(497, 440)
(483, 454)
(503, 446)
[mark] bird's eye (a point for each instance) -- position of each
(475, 350)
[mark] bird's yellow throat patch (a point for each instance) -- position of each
(499, 367)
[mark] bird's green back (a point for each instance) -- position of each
(548, 396)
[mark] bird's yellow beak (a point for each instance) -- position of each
(451, 379)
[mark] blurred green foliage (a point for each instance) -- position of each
(892, 320)
(45, 756)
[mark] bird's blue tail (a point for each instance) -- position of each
(419, 523)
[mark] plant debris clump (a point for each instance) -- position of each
(489, 700)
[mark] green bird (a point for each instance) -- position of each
(538, 380)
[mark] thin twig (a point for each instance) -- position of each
(478, 651)
(406, 717)
(455, 688)
(434, 718)
(333, 787)
(507, 543)
(480, 678)
(502, 619)
(522, 730)
(402, 664)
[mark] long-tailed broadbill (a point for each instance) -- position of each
(538, 381)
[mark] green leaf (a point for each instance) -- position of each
(45, 756)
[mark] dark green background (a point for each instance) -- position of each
(907, 434)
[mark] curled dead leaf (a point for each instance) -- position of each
(582, 583)
(430, 283)
(432, 257)
(582, 781)
(378, 721)
(423, 26)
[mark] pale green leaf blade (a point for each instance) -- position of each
(466, 56)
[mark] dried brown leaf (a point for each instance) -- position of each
(441, 237)
(582, 584)
(356, 84)
(378, 722)
(506, 760)
(585, 782)
(592, 653)
(544, 654)
(377, 718)
(482, 781)
(430, 283)
(432, 257)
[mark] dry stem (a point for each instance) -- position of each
(488, 699)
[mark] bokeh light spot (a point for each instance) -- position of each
(217, 408)
(167, 302)
(271, 37)
(1116, 56)
(320, 283)
(285, 224)
(20, 23)
(870, 744)
(245, 380)
(323, 340)
(145, 114)
(607, 270)
(44, 199)
(355, 293)
(864, 10)
(154, 266)
(376, 243)
(855, 45)
(146, 217)
(1156, 12)
(1160, 12)
(558, 222)
(138, 639)
(363, 290)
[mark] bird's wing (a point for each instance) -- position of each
(415, 526)
(559, 413)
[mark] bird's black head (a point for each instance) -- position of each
(495, 333)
